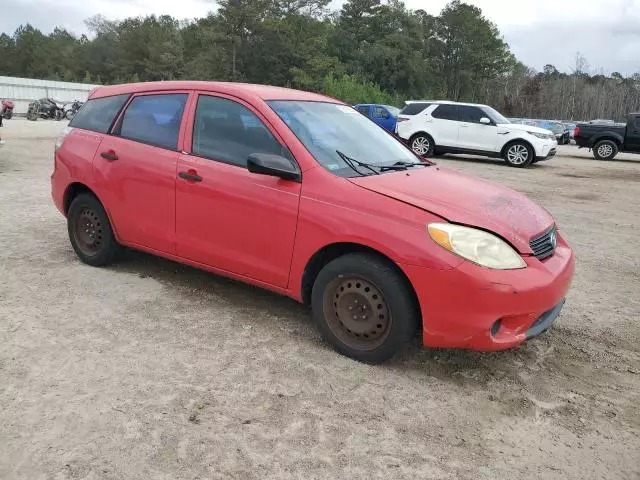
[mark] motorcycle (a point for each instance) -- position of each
(45, 108)
(71, 109)
(6, 109)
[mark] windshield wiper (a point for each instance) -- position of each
(352, 162)
(401, 165)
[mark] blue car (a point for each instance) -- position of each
(384, 115)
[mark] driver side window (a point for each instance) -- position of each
(471, 114)
(379, 112)
(229, 132)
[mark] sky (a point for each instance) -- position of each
(605, 32)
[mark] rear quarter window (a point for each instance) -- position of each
(414, 108)
(98, 114)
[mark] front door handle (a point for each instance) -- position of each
(190, 176)
(109, 155)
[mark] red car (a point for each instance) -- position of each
(300, 194)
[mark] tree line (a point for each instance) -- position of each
(376, 51)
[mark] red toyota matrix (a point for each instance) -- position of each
(300, 194)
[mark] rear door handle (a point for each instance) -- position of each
(190, 176)
(109, 155)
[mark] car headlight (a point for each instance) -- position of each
(476, 246)
(542, 136)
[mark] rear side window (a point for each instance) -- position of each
(98, 114)
(414, 108)
(154, 119)
(446, 112)
(229, 132)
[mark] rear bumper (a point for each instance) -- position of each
(476, 308)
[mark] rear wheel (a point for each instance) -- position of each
(605, 150)
(364, 307)
(518, 154)
(90, 232)
(69, 114)
(422, 144)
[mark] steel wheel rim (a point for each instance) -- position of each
(518, 154)
(357, 313)
(88, 231)
(605, 150)
(420, 145)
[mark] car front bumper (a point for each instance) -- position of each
(550, 154)
(545, 150)
(477, 308)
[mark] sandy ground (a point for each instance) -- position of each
(152, 370)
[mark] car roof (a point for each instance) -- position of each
(241, 90)
(447, 102)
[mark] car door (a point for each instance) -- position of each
(474, 135)
(227, 217)
(632, 140)
(383, 118)
(136, 169)
(445, 125)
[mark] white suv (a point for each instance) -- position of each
(437, 127)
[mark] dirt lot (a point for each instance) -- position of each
(152, 370)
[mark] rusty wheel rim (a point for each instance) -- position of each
(357, 312)
(88, 231)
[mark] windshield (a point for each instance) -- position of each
(331, 132)
(557, 128)
(495, 115)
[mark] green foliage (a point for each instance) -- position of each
(368, 51)
(352, 90)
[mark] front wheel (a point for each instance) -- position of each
(605, 150)
(69, 114)
(90, 232)
(59, 115)
(364, 307)
(8, 115)
(422, 144)
(518, 154)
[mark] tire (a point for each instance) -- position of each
(367, 285)
(69, 114)
(422, 144)
(8, 115)
(96, 245)
(605, 150)
(518, 154)
(59, 115)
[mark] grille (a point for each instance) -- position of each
(544, 245)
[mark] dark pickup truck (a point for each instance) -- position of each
(607, 139)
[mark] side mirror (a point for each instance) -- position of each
(485, 121)
(274, 166)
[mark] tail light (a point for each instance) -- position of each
(576, 132)
(62, 136)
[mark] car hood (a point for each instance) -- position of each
(466, 200)
(524, 128)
